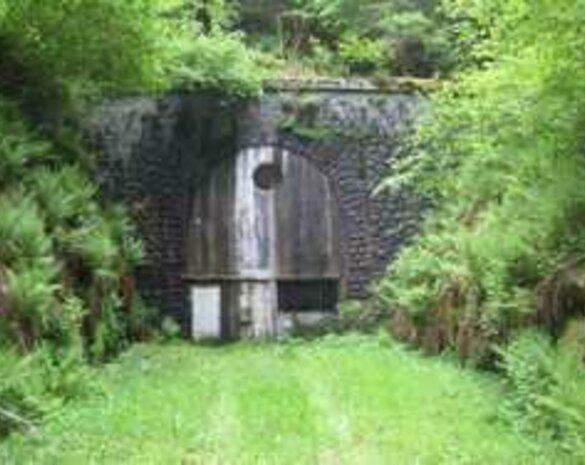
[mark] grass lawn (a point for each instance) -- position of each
(344, 400)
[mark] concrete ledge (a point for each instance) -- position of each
(401, 85)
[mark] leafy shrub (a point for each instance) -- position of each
(65, 261)
(65, 195)
(349, 27)
(572, 338)
(501, 161)
(363, 55)
(78, 50)
(358, 316)
(170, 329)
(65, 375)
(63, 55)
(546, 391)
(219, 62)
(22, 230)
(109, 333)
(30, 298)
(18, 150)
(143, 320)
(38, 384)
(22, 401)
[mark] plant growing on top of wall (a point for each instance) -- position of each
(301, 119)
(363, 55)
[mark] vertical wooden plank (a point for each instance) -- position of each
(258, 302)
(231, 321)
(305, 214)
(253, 215)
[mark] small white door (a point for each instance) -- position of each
(206, 312)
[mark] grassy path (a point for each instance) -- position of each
(341, 401)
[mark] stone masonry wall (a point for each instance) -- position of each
(154, 154)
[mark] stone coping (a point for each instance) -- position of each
(391, 86)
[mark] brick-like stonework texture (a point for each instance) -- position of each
(155, 153)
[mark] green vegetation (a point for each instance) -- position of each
(66, 258)
(339, 400)
(501, 160)
(345, 37)
(546, 387)
(65, 272)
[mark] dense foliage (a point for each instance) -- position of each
(378, 38)
(546, 391)
(66, 259)
(69, 51)
(501, 160)
(85, 46)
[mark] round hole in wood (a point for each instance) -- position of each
(267, 176)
